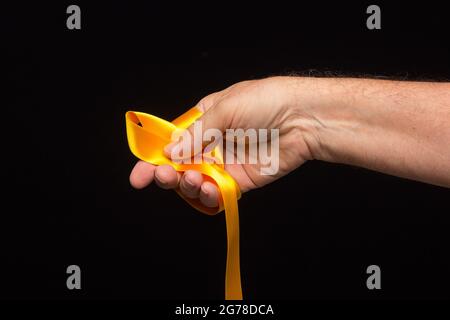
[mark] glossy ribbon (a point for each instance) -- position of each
(147, 136)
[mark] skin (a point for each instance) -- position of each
(396, 127)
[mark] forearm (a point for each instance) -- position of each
(400, 128)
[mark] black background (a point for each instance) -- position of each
(65, 159)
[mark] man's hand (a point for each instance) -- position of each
(400, 128)
(260, 104)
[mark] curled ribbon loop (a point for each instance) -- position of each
(147, 135)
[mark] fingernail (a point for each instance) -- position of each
(160, 181)
(205, 190)
(189, 181)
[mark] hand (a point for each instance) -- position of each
(396, 127)
(270, 103)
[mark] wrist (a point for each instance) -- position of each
(322, 110)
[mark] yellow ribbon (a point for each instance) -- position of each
(147, 136)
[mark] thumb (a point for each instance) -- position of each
(203, 133)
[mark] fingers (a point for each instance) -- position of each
(142, 174)
(191, 183)
(209, 195)
(166, 177)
